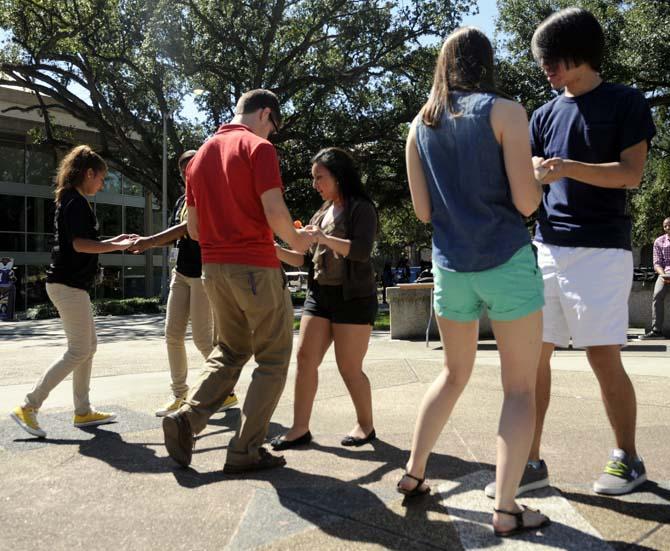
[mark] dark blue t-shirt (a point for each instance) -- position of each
(592, 128)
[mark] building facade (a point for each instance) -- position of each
(27, 208)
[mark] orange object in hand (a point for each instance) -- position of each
(297, 224)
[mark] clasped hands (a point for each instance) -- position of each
(308, 236)
(548, 171)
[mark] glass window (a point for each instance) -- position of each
(40, 214)
(157, 220)
(36, 292)
(41, 165)
(111, 286)
(135, 220)
(12, 213)
(158, 276)
(40, 242)
(14, 242)
(132, 188)
(109, 219)
(12, 162)
(112, 182)
(134, 281)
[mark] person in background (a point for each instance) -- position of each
(187, 300)
(341, 303)
(662, 268)
(471, 176)
(388, 279)
(70, 277)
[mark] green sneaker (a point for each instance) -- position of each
(621, 475)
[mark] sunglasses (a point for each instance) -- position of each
(274, 123)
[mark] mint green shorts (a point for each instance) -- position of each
(509, 291)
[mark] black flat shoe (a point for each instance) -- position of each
(355, 441)
(279, 443)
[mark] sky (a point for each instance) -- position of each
(485, 19)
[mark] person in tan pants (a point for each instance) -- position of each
(187, 300)
(235, 203)
(74, 265)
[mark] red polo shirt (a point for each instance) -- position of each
(225, 181)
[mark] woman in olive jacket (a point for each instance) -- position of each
(341, 303)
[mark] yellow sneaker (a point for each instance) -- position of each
(26, 418)
(228, 403)
(173, 405)
(94, 418)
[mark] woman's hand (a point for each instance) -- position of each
(317, 234)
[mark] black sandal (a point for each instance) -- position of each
(416, 491)
(520, 526)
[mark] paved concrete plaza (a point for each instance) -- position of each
(115, 488)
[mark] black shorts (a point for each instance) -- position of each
(327, 301)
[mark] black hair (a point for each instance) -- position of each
(572, 36)
(253, 100)
(342, 166)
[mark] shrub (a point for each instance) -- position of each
(103, 307)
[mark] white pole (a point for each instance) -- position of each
(164, 272)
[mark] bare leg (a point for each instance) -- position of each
(520, 344)
(459, 341)
(313, 342)
(351, 345)
(542, 397)
(617, 392)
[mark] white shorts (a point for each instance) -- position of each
(586, 294)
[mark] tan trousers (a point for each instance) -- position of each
(253, 316)
(74, 308)
(187, 299)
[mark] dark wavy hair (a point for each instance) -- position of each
(342, 166)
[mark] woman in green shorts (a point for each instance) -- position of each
(471, 175)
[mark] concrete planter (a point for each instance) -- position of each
(409, 306)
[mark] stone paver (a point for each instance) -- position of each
(115, 486)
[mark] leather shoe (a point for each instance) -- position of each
(279, 443)
(265, 461)
(355, 441)
(179, 439)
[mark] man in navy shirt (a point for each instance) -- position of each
(589, 145)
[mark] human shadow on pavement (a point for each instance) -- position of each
(109, 447)
(654, 512)
(350, 511)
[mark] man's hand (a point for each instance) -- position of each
(539, 171)
(140, 245)
(302, 241)
(556, 168)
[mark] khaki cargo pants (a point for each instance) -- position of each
(253, 315)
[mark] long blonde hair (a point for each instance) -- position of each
(73, 167)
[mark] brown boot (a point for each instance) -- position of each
(179, 439)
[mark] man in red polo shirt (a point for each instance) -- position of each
(235, 204)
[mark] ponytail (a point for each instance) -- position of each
(73, 167)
